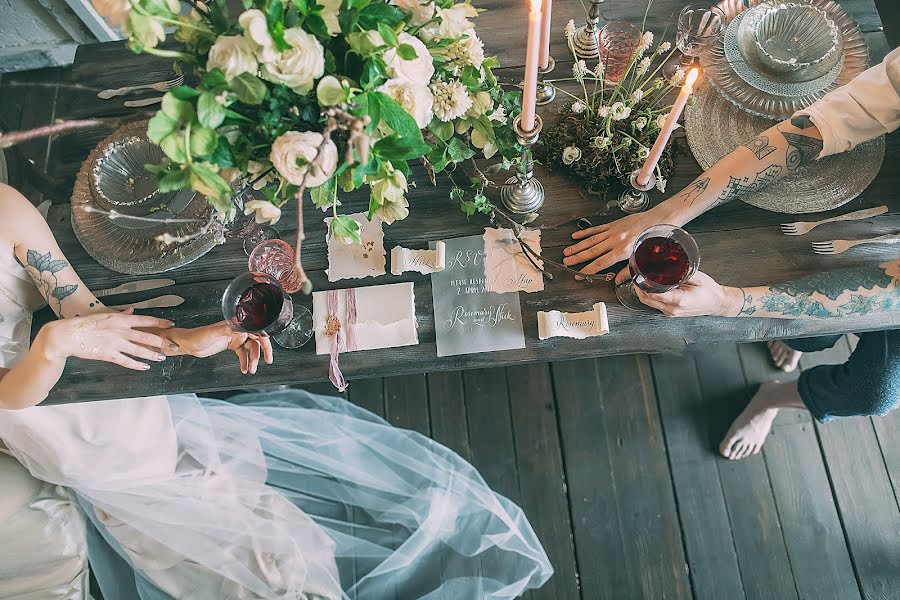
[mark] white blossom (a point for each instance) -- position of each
(643, 153)
(451, 100)
(663, 48)
(265, 211)
(570, 29)
(300, 65)
(640, 123)
(453, 23)
(643, 67)
(256, 32)
(599, 70)
(329, 14)
(677, 78)
(661, 120)
(578, 107)
(571, 154)
(579, 70)
(420, 10)
(645, 43)
(603, 112)
(637, 95)
(498, 115)
(619, 111)
(233, 55)
(389, 191)
(417, 71)
(254, 168)
(600, 142)
(414, 99)
(661, 184)
(466, 51)
(294, 153)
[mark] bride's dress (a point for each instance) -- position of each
(282, 495)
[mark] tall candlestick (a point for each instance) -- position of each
(545, 34)
(532, 57)
(646, 172)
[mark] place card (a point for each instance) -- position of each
(506, 266)
(355, 261)
(467, 317)
(421, 261)
(573, 325)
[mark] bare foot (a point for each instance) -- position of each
(747, 433)
(784, 357)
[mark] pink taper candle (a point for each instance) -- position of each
(545, 33)
(532, 56)
(668, 127)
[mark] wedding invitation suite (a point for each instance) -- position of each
(467, 317)
(506, 266)
(355, 261)
(573, 325)
(421, 261)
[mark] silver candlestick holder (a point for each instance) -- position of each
(586, 40)
(546, 92)
(523, 193)
(637, 199)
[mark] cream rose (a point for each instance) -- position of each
(417, 71)
(256, 32)
(294, 152)
(420, 10)
(415, 99)
(233, 55)
(329, 14)
(300, 66)
(265, 211)
(571, 154)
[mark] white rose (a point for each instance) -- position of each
(578, 107)
(293, 153)
(300, 66)
(571, 154)
(329, 14)
(266, 212)
(256, 32)
(420, 10)
(417, 71)
(454, 22)
(415, 99)
(233, 55)
(114, 12)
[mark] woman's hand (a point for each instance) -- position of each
(699, 296)
(605, 245)
(109, 337)
(212, 339)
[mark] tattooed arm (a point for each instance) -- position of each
(843, 293)
(776, 152)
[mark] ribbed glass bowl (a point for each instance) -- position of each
(797, 41)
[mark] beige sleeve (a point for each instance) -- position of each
(863, 109)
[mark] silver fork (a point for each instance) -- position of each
(803, 227)
(838, 246)
(142, 102)
(159, 86)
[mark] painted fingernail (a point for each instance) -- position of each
(160, 357)
(173, 346)
(145, 366)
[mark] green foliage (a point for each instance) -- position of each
(345, 227)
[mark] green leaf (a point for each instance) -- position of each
(209, 112)
(275, 12)
(178, 180)
(203, 141)
(249, 88)
(316, 25)
(348, 18)
(184, 92)
(323, 195)
(439, 158)
(346, 227)
(468, 207)
(235, 116)
(214, 80)
(406, 52)
(396, 118)
(222, 155)
(173, 146)
(205, 178)
(459, 150)
(380, 13)
(443, 131)
(160, 126)
(374, 205)
(301, 5)
(396, 148)
(388, 34)
(179, 110)
(358, 4)
(276, 30)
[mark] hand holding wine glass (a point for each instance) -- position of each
(663, 258)
(256, 303)
(699, 296)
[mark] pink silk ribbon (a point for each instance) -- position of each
(334, 369)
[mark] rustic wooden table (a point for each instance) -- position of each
(739, 244)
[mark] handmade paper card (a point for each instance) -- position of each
(506, 266)
(422, 261)
(574, 325)
(380, 316)
(467, 317)
(355, 261)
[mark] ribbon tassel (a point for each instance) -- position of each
(340, 332)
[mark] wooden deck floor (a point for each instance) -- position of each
(614, 461)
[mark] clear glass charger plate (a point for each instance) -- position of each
(112, 172)
(720, 72)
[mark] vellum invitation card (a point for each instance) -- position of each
(506, 266)
(467, 317)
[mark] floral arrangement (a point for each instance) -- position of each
(320, 96)
(606, 133)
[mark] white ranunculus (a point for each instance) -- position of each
(640, 123)
(643, 153)
(454, 22)
(415, 99)
(417, 71)
(329, 14)
(578, 107)
(571, 154)
(256, 32)
(293, 154)
(619, 111)
(451, 100)
(300, 66)
(233, 55)
(661, 120)
(421, 11)
(265, 211)
(114, 12)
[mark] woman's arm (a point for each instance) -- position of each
(832, 294)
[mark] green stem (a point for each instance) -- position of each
(138, 9)
(170, 54)
(187, 142)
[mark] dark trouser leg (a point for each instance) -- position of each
(867, 384)
(814, 344)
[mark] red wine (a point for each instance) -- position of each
(259, 306)
(662, 261)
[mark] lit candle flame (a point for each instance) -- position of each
(536, 6)
(691, 78)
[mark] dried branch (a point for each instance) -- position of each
(7, 140)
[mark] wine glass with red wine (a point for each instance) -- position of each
(664, 257)
(256, 303)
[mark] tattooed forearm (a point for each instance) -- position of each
(745, 185)
(43, 269)
(845, 293)
(803, 148)
(760, 147)
(690, 194)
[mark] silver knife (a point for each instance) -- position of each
(135, 286)
(167, 301)
(143, 102)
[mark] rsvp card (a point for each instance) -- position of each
(467, 317)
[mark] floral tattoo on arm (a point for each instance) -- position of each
(43, 269)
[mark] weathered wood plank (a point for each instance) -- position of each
(887, 429)
(690, 441)
(863, 492)
(758, 539)
(369, 394)
(447, 406)
(541, 477)
(406, 402)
